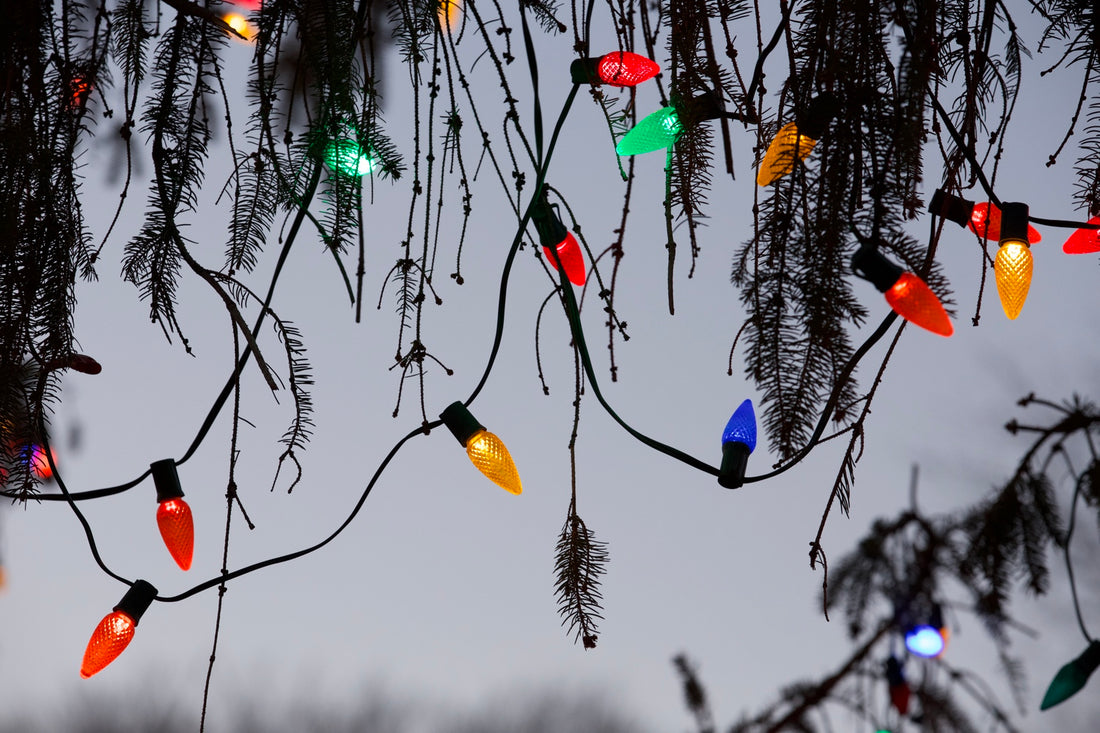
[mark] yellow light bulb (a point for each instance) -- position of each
(239, 23)
(1013, 267)
(786, 149)
(488, 454)
(450, 14)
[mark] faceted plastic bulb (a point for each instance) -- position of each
(913, 300)
(177, 529)
(1072, 677)
(488, 454)
(569, 251)
(742, 427)
(348, 158)
(40, 465)
(786, 149)
(925, 641)
(1013, 266)
(108, 641)
(449, 14)
(1083, 241)
(655, 132)
(239, 23)
(985, 221)
(626, 69)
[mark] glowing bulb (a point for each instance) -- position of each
(177, 528)
(116, 630)
(985, 221)
(552, 233)
(1084, 241)
(658, 130)
(738, 441)
(110, 639)
(349, 158)
(785, 150)
(40, 465)
(239, 23)
(623, 69)
(1013, 266)
(486, 451)
(795, 140)
(1072, 677)
(80, 88)
(741, 427)
(907, 294)
(449, 14)
(569, 251)
(913, 300)
(924, 641)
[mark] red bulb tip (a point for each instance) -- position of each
(572, 259)
(1084, 241)
(914, 301)
(177, 529)
(625, 69)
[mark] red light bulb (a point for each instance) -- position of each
(907, 294)
(177, 529)
(569, 252)
(913, 300)
(1084, 241)
(985, 221)
(40, 465)
(625, 69)
(109, 639)
(116, 630)
(618, 68)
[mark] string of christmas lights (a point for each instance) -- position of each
(906, 293)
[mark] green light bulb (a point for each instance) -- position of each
(657, 131)
(1072, 677)
(349, 158)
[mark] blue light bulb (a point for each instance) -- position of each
(924, 641)
(742, 427)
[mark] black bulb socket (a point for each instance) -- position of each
(872, 265)
(735, 460)
(1014, 217)
(951, 207)
(137, 600)
(166, 479)
(461, 422)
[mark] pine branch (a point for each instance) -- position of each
(580, 561)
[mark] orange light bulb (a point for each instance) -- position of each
(486, 451)
(913, 300)
(177, 529)
(786, 149)
(115, 632)
(1013, 266)
(239, 23)
(110, 638)
(489, 455)
(795, 140)
(449, 14)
